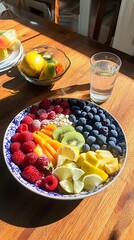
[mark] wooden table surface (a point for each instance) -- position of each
(108, 215)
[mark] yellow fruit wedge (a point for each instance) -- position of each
(3, 54)
(81, 159)
(111, 168)
(77, 173)
(78, 186)
(63, 173)
(15, 45)
(91, 181)
(108, 161)
(7, 38)
(102, 154)
(67, 186)
(90, 169)
(91, 158)
(69, 152)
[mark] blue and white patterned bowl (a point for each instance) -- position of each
(16, 172)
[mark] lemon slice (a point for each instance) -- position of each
(7, 38)
(60, 160)
(70, 164)
(69, 152)
(78, 186)
(63, 172)
(91, 181)
(77, 173)
(67, 185)
(15, 45)
(3, 54)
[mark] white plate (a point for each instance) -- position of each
(12, 59)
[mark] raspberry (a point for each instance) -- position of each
(44, 123)
(42, 162)
(51, 108)
(15, 146)
(32, 115)
(42, 114)
(65, 104)
(34, 126)
(31, 174)
(26, 136)
(28, 146)
(67, 111)
(23, 127)
(18, 157)
(58, 109)
(34, 109)
(51, 115)
(51, 182)
(45, 103)
(30, 159)
(16, 137)
(57, 101)
(27, 120)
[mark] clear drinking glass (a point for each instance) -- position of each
(104, 70)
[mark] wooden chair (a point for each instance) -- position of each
(99, 19)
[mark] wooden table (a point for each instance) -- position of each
(108, 215)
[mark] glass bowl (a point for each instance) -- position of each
(57, 54)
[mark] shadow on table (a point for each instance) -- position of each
(20, 207)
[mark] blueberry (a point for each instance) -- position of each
(100, 111)
(81, 104)
(87, 108)
(104, 130)
(72, 117)
(113, 139)
(93, 110)
(97, 125)
(102, 116)
(88, 128)
(106, 122)
(83, 114)
(96, 118)
(75, 123)
(77, 113)
(86, 147)
(79, 129)
(101, 139)
(73, 108)
(111, 144)
(94, 147)
(116, 150)
(82, 121)
(95, 133)
(89, 116)
(112, 127)
(113, 133)
(85, 134)
(73, 101)
(91, 139)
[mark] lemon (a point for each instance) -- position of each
(63, 173)
(69, 152)
(67, 186)
(78, 186)
(77, 173)
(90, 169)
(3, 54)
(7, 38)
(15, 45)
(91, 181)
(32, 64)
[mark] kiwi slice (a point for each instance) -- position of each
(74, 139)
(59, 132)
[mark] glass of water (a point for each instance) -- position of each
(104, 69)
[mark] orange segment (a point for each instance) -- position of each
(55, 144)
(45, 137)
(50, 149)
(38, 139)
(52, 159)
(38, 150)
(47, 132)
(50, 127)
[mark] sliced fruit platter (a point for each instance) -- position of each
(10, 49)
(65, 148)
